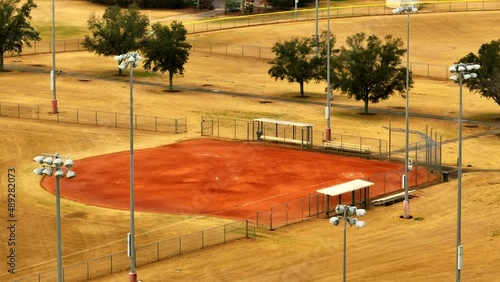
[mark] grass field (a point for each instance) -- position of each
(388, 248)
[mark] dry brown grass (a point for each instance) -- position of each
(388, 249)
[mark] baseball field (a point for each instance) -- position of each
(387, 249)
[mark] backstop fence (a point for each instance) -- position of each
(234, 129)
(117, 262)
(92, 117)
(425, 155)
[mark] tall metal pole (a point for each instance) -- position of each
(58, 231)
(317, 29)
(345, 244)
(133, 274)
(406, 202)
(53, 72)
(459, 189)
(328, 133)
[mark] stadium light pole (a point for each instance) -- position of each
(131, 59)
(328, 131)
(345, 210)
(408, 9)
(51, 163)
(461, 72)
(317, 29)
(53, 72)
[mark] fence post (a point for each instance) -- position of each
(246, 228)
(95, 117)
(271, 219)
(379, 149)
(158, 251)
(416, 157)
(225, 233)
(302, 206)
(317, 206)
(88, 271)
(308, 204)
(202, 239)
(286, 213)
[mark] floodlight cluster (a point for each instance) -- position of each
(53, 164)
(405, 9)
(344, 211)
(464, 71)
(128, 59)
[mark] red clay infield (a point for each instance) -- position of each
(211, 177)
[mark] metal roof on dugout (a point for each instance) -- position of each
(284, 131)
(346, 187)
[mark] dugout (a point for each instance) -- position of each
(351, 186)
(267, 129)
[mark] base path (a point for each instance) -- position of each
(210, 177)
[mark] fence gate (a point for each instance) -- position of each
(207, 126)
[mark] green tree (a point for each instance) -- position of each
(167, 50)
(295, 61)
(15, 27)
(370, 70)
(487, 82)
(117, 32)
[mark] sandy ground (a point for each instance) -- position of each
(388, 248)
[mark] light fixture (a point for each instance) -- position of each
(70, 174)
(48, 160)
(131, 59)
(39, 159)
(51, 163)
(408, 9)
(334, 220)
(68, 163)
(47, 171)
(59, 173)
(461, 72)
(38, 171)
(58, 162)
(342, 212)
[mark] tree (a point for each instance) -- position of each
(167, 50)
(116, 32)
(295, 61)
(487, 82)
(370, 70)
(15, 27)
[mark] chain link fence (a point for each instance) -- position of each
(91, 117)
(117, 262)
(264, 52)
(426, 159)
